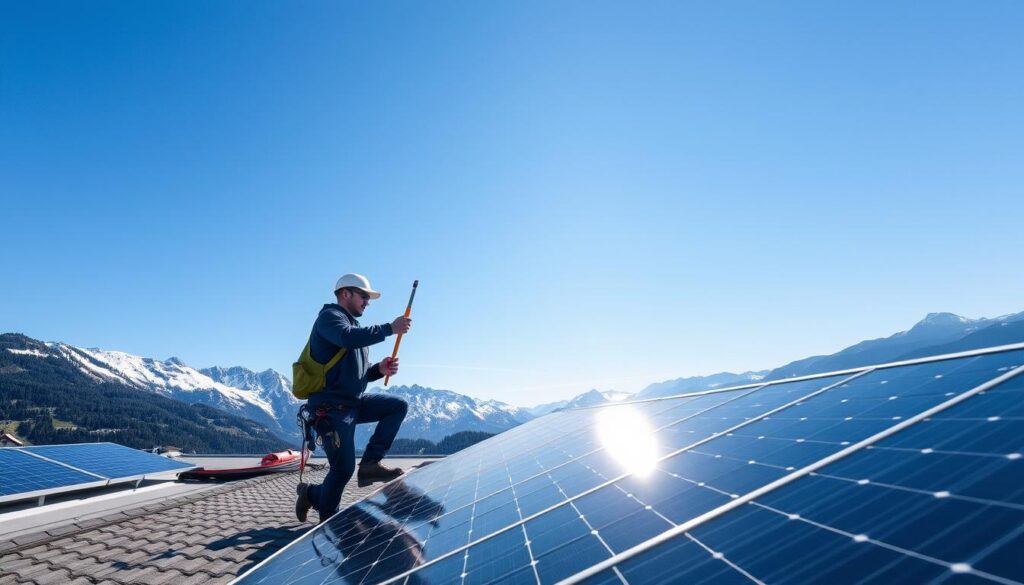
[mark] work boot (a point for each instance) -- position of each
(302, 502)
(374, 472)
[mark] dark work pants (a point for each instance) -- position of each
(337, 435)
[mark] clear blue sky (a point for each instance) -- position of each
(592, 194)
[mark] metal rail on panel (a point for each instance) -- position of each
(61, 463)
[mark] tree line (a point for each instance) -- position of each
(446, 446)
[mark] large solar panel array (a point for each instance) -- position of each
(900, 472)
(28, 472)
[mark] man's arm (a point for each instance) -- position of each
(373, 374)
(335, 327)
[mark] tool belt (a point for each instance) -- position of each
(310, 420)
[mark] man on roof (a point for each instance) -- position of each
(341, 404)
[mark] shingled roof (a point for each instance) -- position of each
(209, 536)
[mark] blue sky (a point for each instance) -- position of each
(592, 194)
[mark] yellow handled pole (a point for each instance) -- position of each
(408, 310)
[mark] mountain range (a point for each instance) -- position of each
(937, 333)
(434, 414)
(49, 396)
(589, 398)
(265, 397)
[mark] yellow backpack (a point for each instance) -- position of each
(309, 375)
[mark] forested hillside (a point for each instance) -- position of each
(44, 401)
(446, 446)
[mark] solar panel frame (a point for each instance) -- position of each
(849, 373)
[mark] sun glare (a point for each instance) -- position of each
(628, 439)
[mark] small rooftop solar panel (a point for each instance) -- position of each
(24, 476)
(109, 459)
(604, 494)
(27, 472)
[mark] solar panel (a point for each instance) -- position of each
(940, 501)
(109, 459)
(27, 472)
(25, 476)
(592, 494)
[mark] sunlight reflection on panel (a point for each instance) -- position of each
(628, 438)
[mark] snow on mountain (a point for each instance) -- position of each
(266, 396)
(542, 409)
(31, 352)
(589, 398)
(936, 329)
(698, 383)
(595, 397)
(174, 379)
(270, 385)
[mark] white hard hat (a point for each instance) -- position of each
(353, 280)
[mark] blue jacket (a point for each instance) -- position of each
(346, 381)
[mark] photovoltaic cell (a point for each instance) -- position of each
(21, 473)
(556, 496)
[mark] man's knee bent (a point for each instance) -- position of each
(396, 405)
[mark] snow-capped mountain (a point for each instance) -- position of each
(269, 385)
(91, 402)
(174, 379)
(698, 383)
(265, 397)
(433, 414)
(936, 333)
(588, 398)
(596, 397)
(936, 329)
(542, 409)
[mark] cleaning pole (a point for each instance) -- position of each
(408, 310)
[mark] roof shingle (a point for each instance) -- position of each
(209, 537)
